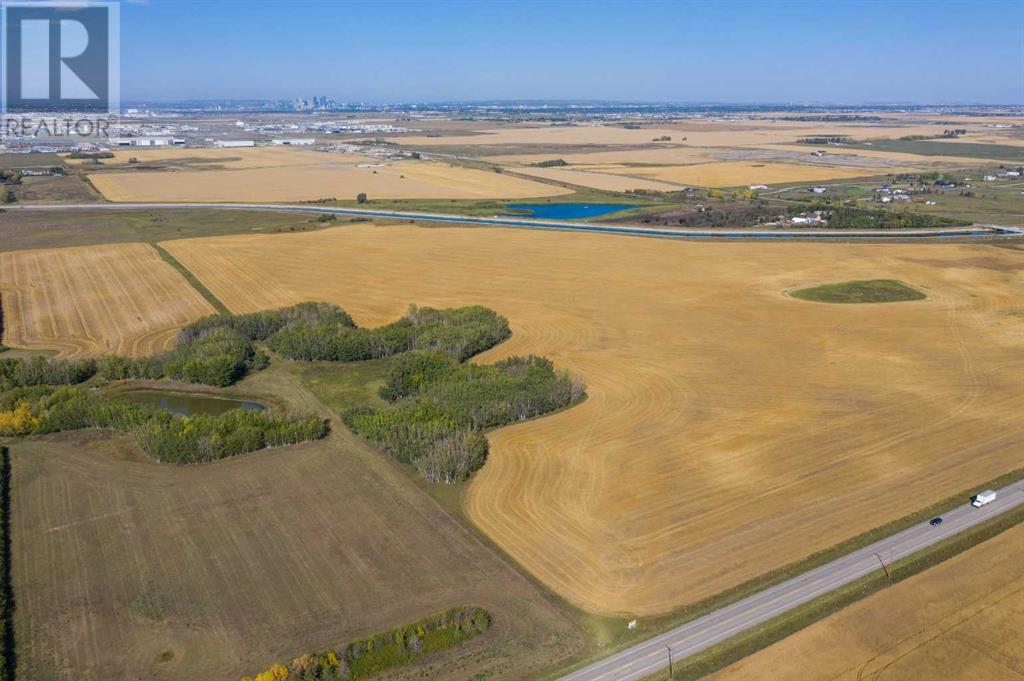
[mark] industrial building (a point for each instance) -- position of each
(234, 143)
(146, 141)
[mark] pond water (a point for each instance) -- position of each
(567, 211)
(185, 404)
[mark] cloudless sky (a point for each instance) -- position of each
(443, 50)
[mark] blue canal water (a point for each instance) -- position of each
(567, 211)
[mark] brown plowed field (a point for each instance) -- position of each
(730, 429)
(91, 300)
(127, 569)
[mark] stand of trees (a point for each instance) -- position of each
(439, 409)
(19, 373)
(389, 649)
(847, 217)
(164, 436)
(459, 333)
(221, 349)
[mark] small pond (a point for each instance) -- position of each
(567, 211)
(185, 404)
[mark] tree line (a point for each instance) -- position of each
(221, 349)
(848, 217)
(438, 409)
(162, 435)
(458, 333)
(375, 654)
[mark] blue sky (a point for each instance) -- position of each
(738, 52)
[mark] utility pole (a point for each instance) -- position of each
(670, 674)
(887, 575)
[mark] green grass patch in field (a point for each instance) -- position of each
(344, 386)
(869, 291)
(193, 280)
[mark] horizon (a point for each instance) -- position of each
(843, 53)
(607, 102)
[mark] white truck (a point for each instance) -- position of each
(982, 498)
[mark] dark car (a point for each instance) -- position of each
(935, 521)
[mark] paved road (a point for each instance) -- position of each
(650, 656)
(561, 225)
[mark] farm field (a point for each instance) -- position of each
(963, 619)
(596, 180)
(230, 158)
(128, 569)
(650, 153)
(120, 298)
(731, 174)
(540, 134)
(700, 133)
(55, 189)
(302, 175)
(20, 230)
(699, 460)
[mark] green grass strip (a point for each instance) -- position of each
(192, 279)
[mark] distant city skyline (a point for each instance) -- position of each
(842, 52)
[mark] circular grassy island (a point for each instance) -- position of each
(868, 291)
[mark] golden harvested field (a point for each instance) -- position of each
(963, 619)
(730, 429)
(908, 161)
(236, 158)
(127, 569)
(543, 134)
(691, 133)
(596, 180)
(654, 153)
(735, 173)
(90, 300)
(401, 180)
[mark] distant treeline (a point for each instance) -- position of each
(91, 155)
(553, 163)
(375, 654)
(847, 217)
(439, 409)
(824, 139)
(162, 435)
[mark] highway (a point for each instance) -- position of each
(561, 225)
(650, 656)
